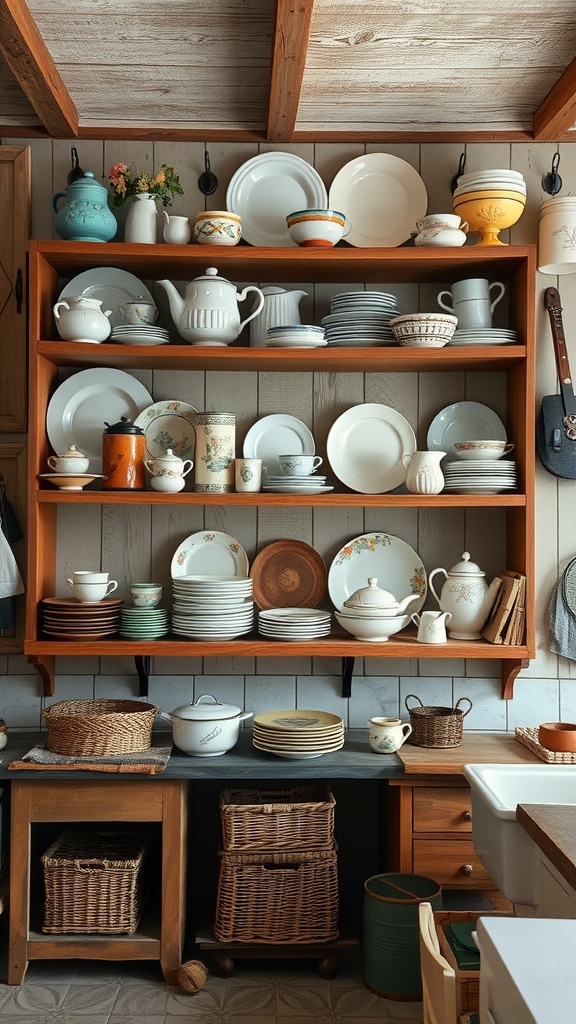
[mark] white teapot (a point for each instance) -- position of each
(168, 471)
(81, 319)
(208, 314)
(466, 596)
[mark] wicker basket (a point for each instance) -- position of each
(84, 728)
(93, 882)
(436, 727)
(277, 897)
(294, 819)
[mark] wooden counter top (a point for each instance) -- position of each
(553, 829)
(476, 748)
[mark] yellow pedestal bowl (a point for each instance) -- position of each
(489, 212)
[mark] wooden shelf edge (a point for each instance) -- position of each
(261, 498)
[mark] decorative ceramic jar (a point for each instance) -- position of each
(123, 452)
(86, 216)
(215, 449)
(81, 319)
(557, 236)
(217, 227)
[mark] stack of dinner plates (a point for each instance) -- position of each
(66, 618)
(360, 319)
(295, 336)
(298, 734)
(480, 476)
(144, 623)
(212, 607)
(294, 623)
(128, 334)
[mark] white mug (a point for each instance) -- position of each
(470, 302)
(299, 465)
(248, 475)
(90, 576)
(431, 626)
(387, 734)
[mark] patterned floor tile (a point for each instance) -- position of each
(34, 999)
(89, 999)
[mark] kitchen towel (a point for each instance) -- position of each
(145, 762)
(561, 624)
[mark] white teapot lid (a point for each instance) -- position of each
(168, 456)
(466, 567)
(72, 453)
(371, 596)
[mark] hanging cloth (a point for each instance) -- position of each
(561, 624)
(10, 580)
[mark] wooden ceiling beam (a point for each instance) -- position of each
(289, 48)
(29, 60)
(556, 115)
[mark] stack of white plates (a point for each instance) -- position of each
(280, 484)
(484, 336)
(360, 319)
(480, 476)
(212, 607)
(295, 336)
(294, 623)
(497, 178)
(143, 623)
(140, 335)
(298, 734)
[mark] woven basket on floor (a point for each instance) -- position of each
(92, 728)
(93, 882)
(436, 726)
(301, 818)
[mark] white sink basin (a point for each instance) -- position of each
(501, 843)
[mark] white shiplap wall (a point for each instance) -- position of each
(141, 544)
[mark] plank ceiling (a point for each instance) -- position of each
(289, 70)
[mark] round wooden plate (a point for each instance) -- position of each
(288, 574)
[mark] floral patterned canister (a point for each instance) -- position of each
(215, 452)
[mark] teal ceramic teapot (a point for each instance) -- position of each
(86, 216)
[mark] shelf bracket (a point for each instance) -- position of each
(46, 666)
(347, 671)
(142, 662)
(510, 670)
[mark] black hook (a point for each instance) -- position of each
(76, 171)
(552, 182)
(461, 166)
(207, 182)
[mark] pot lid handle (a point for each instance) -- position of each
(207, 697)
(466, 567)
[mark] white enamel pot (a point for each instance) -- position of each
(206, 728)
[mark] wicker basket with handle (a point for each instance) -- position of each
(437, 726)
(96, 728)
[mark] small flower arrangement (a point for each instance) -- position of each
(126, 182)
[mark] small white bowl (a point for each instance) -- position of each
(310, 228)
(376, 630)
(482, 449)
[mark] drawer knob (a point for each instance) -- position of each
(467, 869)
(467, 815)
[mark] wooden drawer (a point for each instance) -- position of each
(450, 862)
(441, 809)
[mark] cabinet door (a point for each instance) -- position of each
(15, 221)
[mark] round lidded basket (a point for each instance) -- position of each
(436, 726)
(82, 728)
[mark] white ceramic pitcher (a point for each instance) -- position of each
(424, 475)
(280, 309)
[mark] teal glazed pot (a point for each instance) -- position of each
(86, 216)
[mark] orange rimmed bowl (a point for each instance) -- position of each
(558, 736)
(490, 211)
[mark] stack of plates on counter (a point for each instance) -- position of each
(298, 734)
(280, 484)
(480, 476)
(484, 336)
(294, 623)
(66, 618)
(361, 319)
(143, 623)
(295, 336)
(128, 334)
(212, 607)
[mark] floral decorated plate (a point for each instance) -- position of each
(209, 553)
(169, 425)
(396, 566)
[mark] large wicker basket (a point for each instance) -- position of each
(277, 898)
(301, 818)
(436, 726)
(93, 882)
(84, 728)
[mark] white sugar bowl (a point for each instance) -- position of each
(168, 471)
(71, 461)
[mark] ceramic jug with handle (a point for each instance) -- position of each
(280, 310)
(465, 594)
(209, 314)
(86, 216)
(424, 475)
(79, 318)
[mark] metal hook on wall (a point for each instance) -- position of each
(552, 182)
(461, 166)
(207, 182)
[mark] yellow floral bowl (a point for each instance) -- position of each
(489, 211)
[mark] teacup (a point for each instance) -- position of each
(442, 220)
(68, 464)
(146, 595)
(90, 576)
(91, 593)
(387, 734)
(482, 449)
(139, 312)
(299, 465)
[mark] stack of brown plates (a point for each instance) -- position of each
(298, 734)
(64, 618)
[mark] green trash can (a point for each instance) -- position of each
(391, 933)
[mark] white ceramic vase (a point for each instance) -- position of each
(141, 219)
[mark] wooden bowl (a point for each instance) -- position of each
(558, 736)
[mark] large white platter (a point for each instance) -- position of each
(382, 197)
(396, 566)
(276, 435)
(112, 286)
(268, 187)
(365, 447)
(80, 408)
(464, 421)
(209, 552)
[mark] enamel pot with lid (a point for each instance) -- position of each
(206, 728)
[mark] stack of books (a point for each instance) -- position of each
(506, 621)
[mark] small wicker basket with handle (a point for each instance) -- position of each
(436, 726)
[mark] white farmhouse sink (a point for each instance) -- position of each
(501, 843)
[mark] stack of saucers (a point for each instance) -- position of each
(127, 334)
(298, 734)
(484, 336)
(295, 336)
(143, 623)
(67, 619)
(360, 319)
(284, 484)
(294, 623)
(480, 476)
(212, 607)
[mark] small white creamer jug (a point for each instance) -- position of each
(431, 626)
(424, 475)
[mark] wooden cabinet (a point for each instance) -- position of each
(52, 262)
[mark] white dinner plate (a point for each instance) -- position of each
(209, 552)
(365, 447)
(169, 425)
(464, 421)
(396, 566)
(287, 489)
(277, 435)
(80, 408)
(112, 286)
(266, 188)
(382, 197)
